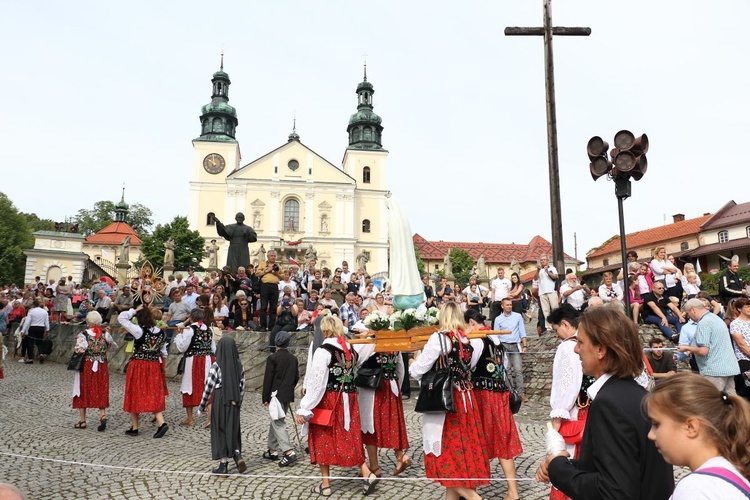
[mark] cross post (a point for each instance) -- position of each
(548, 31)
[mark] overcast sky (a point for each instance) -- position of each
(97, 94)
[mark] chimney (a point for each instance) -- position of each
(678, 217)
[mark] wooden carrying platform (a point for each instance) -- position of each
(411, 340)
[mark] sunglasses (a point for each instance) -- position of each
(243, 303)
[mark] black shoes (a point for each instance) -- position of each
(161, 430)
(131, 432)
(287, 460)
(221, 469)
(240, 462)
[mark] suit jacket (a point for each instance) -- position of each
(282, 375)
(617, 460)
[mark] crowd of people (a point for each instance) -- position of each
(352, 403)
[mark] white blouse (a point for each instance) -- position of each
(135, 330)
(608, 294)
(182, 341)
(567, 375)
(365, 396)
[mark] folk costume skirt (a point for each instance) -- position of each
(94, 386)
(144, 387)
(500, 432)
(334, 445)
(225, 426)
(388, 417)
(462, 450)
(199, 380)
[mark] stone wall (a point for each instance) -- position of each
(537, 365)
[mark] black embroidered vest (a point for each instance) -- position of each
(386, 361)
(340, 371)
(489, 373)
(460, 365)
(200, 344)
(148, 347)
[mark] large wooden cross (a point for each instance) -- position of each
(547, 31)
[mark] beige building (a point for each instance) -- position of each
(298, 202)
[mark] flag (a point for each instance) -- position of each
(293, 262)
(105, 254)
(697, 266)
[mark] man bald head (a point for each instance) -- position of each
(10, 492)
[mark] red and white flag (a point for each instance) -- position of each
(293, 262)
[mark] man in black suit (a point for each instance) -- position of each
(617, 460)
(281, 377)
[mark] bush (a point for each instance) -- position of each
(710, 282)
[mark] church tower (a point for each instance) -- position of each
(216, 154)
(365, 160)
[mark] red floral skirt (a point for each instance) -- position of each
(388, 416)
(462, 452)
(199, 381)
(334, 445)
(94, 387)
(500, 432)
(144, 387)
(554, 493)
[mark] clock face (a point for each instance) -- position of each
(214, 163)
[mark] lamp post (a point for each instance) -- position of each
(627, 159)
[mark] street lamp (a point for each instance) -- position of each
(627, 159)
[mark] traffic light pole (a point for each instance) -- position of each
(622, 190)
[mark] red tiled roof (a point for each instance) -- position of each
(649, 237)
(494, 253)
(114, 234)
(728, 215)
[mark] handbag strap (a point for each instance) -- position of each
(727, 476)
(443, 351)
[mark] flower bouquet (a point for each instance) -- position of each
(377, 321)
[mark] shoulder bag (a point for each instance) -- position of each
(324, 416)
(514, 398)
(369, 377)
(76, 361)
(436, 386)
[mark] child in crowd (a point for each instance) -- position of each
(645, 279)
(226, 381)
(694, 424)
(280, 379)
(691, 287)
(636, 302)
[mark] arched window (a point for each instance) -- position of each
(366, 175)
(291, 215)
(210, 219)
(723, 236)
(366, 226)
(684, 246)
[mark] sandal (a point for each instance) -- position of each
(80, 425)
(270, 456)
(403, 462)
(102, 424)
(321, 490)
(370, 483)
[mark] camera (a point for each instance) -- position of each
(275, 268)
(286, 302)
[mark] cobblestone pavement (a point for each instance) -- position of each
(59, 461)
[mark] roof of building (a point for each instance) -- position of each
(713, 248)
(730, 214)
(114, 234)
(652, 236)
(493, 252)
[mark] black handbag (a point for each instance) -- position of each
(181, 365)
(369, 378)
(436, 387)
(45, 347)
(76, 362)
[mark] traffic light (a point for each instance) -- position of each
(629, 154)
(597, 151)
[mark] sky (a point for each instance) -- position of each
(100, 94)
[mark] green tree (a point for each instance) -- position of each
(37, 224)
(420, 262)
(139, 217)
(16, 235)
(189, 246)
(461, 264)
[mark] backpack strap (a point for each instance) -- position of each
(727, 476)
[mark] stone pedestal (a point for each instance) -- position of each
(210, 270)
(122, 273)
(167, 270)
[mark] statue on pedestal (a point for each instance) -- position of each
(481, 267)
(311, 254)
(362, 259)
(260, 253)
(125, 251)
(169, 253)
(447, 265)
(515, 267)
(212, 252)
(239, 236)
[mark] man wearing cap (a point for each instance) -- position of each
(123, 302)
(279, 381)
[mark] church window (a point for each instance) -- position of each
(723, 236)
(366, 175)
(684, 246)
(217, 125)
(366, 226)
(291, 215)
(210, 219)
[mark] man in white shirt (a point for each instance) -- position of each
(547, 276)
(572, 291)
(473, 281)
(190, 295)
(499, 289)
(346, 274)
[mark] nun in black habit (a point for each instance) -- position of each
(226, 380)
